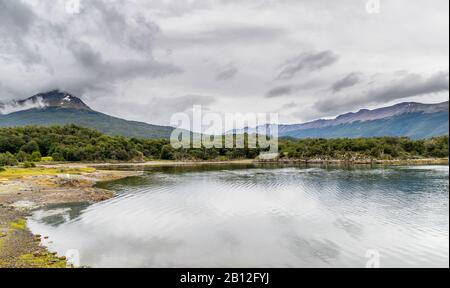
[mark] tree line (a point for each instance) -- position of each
(73, 143)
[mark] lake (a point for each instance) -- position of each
(260, 216)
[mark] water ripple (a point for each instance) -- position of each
(261, 217)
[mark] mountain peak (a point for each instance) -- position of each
(51, 99)
(59, 99)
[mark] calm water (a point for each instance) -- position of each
(260, 217)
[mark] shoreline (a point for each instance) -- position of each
(375, 162)
(159, 163)
(19, 195)
(23, 190)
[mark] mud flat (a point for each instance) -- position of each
(22, 190)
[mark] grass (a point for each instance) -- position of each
(18, 225)
(15, 173)
(47, 159)
(43, 260)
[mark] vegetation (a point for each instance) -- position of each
(385, 148)
(16, 173)
(72, 143)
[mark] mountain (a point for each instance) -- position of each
(61, 108)
(413, 120)
(53, 99)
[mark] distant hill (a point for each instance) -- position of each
(413, 120)
(60, 108)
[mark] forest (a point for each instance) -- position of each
(73, 144)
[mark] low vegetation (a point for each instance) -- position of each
(26, 145)
(19, 172)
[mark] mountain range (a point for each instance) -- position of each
(413, 120)
(409, 119)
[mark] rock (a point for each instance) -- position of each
(63, 258)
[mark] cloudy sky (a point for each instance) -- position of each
(305, 59)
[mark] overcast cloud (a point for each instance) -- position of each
(145, 60)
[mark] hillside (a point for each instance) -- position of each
(60, 108)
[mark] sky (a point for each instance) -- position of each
(304, 59)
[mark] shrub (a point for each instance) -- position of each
(23, 157)
(7, 159)
(36, 156)
(29, 165)
(30, 147)
(167, 153)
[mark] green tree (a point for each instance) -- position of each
(30, 147)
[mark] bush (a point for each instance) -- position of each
(30, 147)
(2, 169)
(23, 156)
(29, 165)
(7, 159)
(167, 153)
(36, 156)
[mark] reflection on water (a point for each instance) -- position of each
(260, 217)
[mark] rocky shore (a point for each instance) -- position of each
(22, 190)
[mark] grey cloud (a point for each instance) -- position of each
(161, 108)
(306, 86)
(307, 62)
(16, 20)
(348, 81)
(112, 70)
(227, 72)
(409, 85)
(279, 91)
(135, 32)
(231, 34)
(184, 103)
